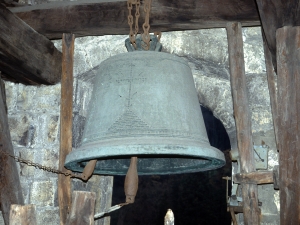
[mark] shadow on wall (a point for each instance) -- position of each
(196, 198)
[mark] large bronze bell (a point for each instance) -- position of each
(144, 104)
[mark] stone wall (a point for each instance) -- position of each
(34, 111)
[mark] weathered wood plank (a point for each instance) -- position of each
(83, 207)
(110, 17)
(22, 215)
(242, 120)
(231, 210)
(236, 209)
(66, 108)
(10, 187)
(272, 79)
(275, 14)
(288, 65)
(25, 55)
(102, 186)
(258, 177)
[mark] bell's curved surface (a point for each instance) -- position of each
(145, 104)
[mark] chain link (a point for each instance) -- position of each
(137, 16)
(41, 167)
(146, 25)
(132, 35)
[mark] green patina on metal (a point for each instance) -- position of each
(144, 104)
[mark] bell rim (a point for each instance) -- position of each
(202, 151)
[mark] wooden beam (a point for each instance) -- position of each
(236, 209)
(11, 3)
(288, 65)
(258, 177)
(66, 115)
(271, 77)
(83, 207)
(243, 121)
(10, 187)
(275, 14)
(100, 18)
(25, 55)
(6, 2)
(22, 215)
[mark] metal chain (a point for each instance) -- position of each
(132, 35)
(146, 25)
(137, 16)
(39, 166)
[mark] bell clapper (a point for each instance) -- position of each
(88, 169)
(131, 181)
(130, 187)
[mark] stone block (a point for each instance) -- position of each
(26, 98)
(25, 170)
(266, 196)
(87, 49)
(47, 216)
(38, 99)
(208, 44)
(26, 184)
(215, 94)
(22, 129)
(50, 158)
(53, 125)
(11, 90)
(46, 157)
(253, 50)
(47, 130)
(42, 193)
(48, 98)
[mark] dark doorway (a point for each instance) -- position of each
(195, 199)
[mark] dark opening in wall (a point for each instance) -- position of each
(195, 198)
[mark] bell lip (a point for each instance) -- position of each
(201, 151)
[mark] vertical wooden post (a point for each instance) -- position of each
(243, 121)
(10, 187)
(22, 215)
(272, 88)
(66, 108)
(288, 69)
(83, 207)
